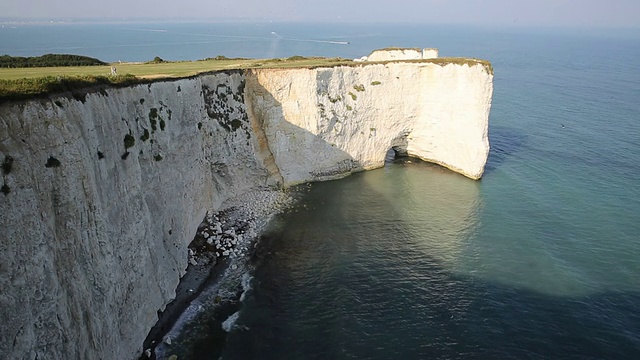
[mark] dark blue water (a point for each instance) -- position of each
(540, 259)
(402, 263)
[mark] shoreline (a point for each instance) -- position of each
(191, 285)
(222, 238)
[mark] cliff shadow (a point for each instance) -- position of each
(298, 154)
(373, 287)
(290, 154)
(315, 139)
(504, 142)
(312, 230)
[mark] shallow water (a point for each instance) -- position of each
(405, 262)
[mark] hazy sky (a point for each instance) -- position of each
(623, 13)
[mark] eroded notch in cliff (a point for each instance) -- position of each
(398, 148)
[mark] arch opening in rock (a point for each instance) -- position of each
(394, 153)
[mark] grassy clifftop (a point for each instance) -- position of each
(166, 69)
(25, 83)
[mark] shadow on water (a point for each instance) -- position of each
(366, 316)
(504, 142)
(499, 323)
(355, 271)
(376, 286)
(204, 334)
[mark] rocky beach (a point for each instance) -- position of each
(219, 253)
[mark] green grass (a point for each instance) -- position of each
(129, 141)
(145, 135)
(7, 164)
(398, 48)
(24, 88)
(25, 83)
(153, 70)
(462, 61)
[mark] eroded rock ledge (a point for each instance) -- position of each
(104, 193)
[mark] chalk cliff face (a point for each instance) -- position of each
(350, 117)
(105, 190)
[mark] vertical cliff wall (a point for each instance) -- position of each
(326, 123)
(103, 191)
(106, 192)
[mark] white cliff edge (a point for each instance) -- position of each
(95, 226)
(395, 54)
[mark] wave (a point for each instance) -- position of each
(230, 323)
(246, 285)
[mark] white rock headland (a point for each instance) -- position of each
(391, 54)
(106, 188)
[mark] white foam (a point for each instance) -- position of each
(228, 324)
(246, 284)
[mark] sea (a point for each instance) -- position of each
(540, 259)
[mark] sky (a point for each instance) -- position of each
(599, 13)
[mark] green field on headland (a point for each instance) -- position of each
(24, 83)
(165, 69)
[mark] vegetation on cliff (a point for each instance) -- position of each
(48, 60)
(25, 83)
(463, 61)
(31, 87)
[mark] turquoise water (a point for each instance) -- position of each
(539, 259)
(411, 262)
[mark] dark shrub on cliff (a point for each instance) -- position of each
(48, 60)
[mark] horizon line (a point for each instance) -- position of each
(13, 20)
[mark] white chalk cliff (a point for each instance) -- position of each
(402, 54)
(105, 190)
